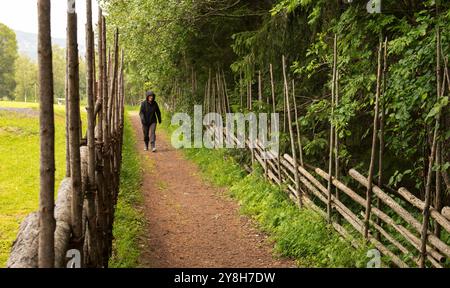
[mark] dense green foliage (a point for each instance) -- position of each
(166, 41)
(129, 222)
(8, 55)
(26, 76)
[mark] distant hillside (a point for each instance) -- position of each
(27, 43)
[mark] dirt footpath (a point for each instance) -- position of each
(192, 224)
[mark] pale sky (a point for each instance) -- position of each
(22, 15)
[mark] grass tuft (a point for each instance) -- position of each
(129, 219)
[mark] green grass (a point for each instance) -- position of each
(129, 219)
(19, 168)
(302, 234)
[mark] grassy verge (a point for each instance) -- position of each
(129, 220)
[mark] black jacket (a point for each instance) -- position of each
(150, 113)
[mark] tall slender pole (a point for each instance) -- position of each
(227, 97)
(260, 99)
(297, 126)
(291, 132)
(259, 89)
(250, 90)
(113, 81)
(440, 175)
(240, 90)
(381, 137)
(91, 193)
(374, 147)
(74, 124)
(46, 253)
(100, 148)
(248, 95)
(426, 210)
(336, 137)
(66, 92)
(219, 95)
(332, 129)
(437, 203)
(274, 110)
(90, 92)
(284, 115)
(206, 99)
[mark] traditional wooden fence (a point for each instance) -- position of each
(78, 229)
(401, 230)
(306, 185)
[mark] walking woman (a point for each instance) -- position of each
(150, 117)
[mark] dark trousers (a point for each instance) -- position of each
(150, 134)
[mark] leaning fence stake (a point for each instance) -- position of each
(291, 132)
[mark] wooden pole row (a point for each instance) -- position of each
(315, 187)
(84, 213)
(310, 183)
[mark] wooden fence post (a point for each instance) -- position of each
(100, 144)
(74, 124)
(336, 142)
(106, 149)
(299, 138)
(381, 136)
(91, 192)
(274, 110)
(291, 132)
(227, 97)
(260, 89)
(47, 224)
(426, 210)
(332, 129)
(241, 94)
(66, 95)
(374, 145)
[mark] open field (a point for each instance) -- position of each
(19, 165)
